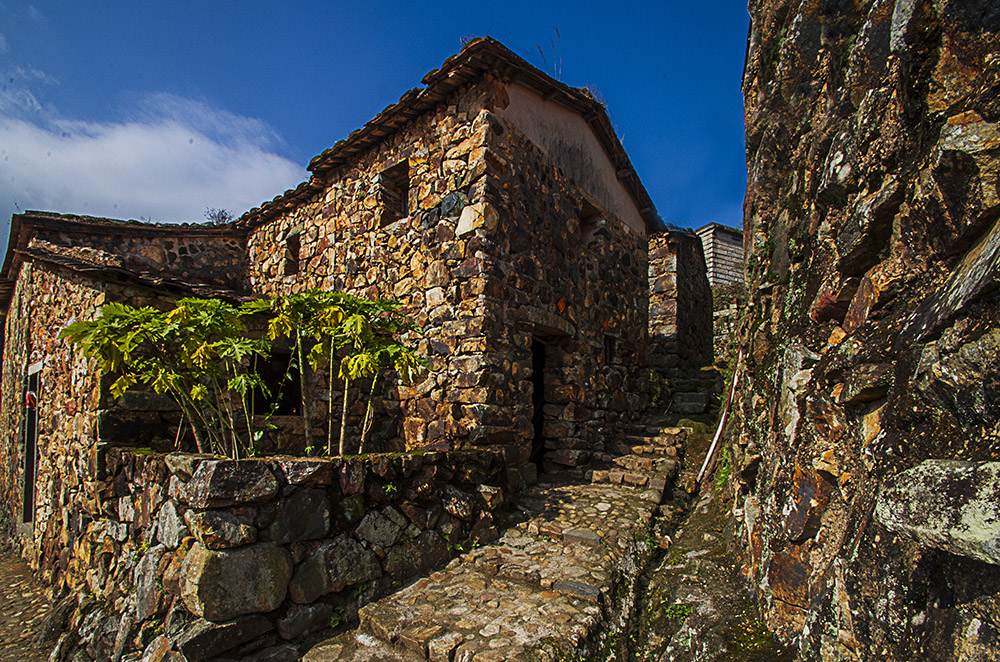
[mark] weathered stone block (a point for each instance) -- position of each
(335, 564)
(303, 515)
(218, 483)
(202, 640)
(220, 585)
(303, 619)
(219, 529)
(952, 505)
(307, 471)
(381, 528)
(417, 556)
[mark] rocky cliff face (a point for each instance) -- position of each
(872, 221)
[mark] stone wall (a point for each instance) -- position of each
(577, 286)
(77, 417)
(680, 302)
(68, 401)
(204, 254)
(872, 365)
(212, 557)
(484, 264)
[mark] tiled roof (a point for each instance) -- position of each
(478, 57)
(84, 259)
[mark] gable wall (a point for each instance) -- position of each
(566, 140)
(571, 288)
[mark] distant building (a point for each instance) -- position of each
(723, 248)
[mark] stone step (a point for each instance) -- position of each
(350, 647)
(663, 451)
(646, 464)
(463, 614)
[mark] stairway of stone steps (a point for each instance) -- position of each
(546, 588)
(694, 394)
(647, 457)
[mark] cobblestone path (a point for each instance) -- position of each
(545, 591)
(23, 606)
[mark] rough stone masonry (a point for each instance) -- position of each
(867, 497)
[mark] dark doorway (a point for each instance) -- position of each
(538, 400)
(31, 394)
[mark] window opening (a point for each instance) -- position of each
(292, 254)
(610, 350)
(394, 193)
(272, 372)
(31, 393)
(591, 220)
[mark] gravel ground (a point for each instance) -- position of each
(23, 607)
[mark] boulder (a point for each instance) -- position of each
(306, 470)
(417, 556)
(220, 483)
(335, 564)
(953, 505)
(220, 585)
(302, 619)
(201, 639)
(382, 528)
(303, 515)
(148, 590)
(170, 528)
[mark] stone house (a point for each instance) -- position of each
(495, 202)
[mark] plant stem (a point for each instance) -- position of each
(369, 415)
(329, 406)
(302, 389)
(343, 417)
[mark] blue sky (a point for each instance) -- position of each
(159, 110)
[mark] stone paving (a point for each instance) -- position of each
(542, 592)
(23, 608)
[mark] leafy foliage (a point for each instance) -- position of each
(202, 355)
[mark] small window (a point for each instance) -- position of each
(610, 350)
(285, 393)
(394, 193)
(591, 220)
(292, 254)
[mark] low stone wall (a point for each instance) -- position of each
(207, 556)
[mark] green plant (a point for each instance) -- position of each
(338, 618)
(198, 352)
(390, 489)
(677, 612)
(659, 391)
(202, 355)
(723, 469)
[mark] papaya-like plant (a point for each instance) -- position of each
(198, 353)
(202, 355)
(367, 337)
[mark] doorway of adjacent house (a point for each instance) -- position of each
(31, 395)
(538, 352)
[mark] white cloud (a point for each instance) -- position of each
(4, 46)
(173, 158)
